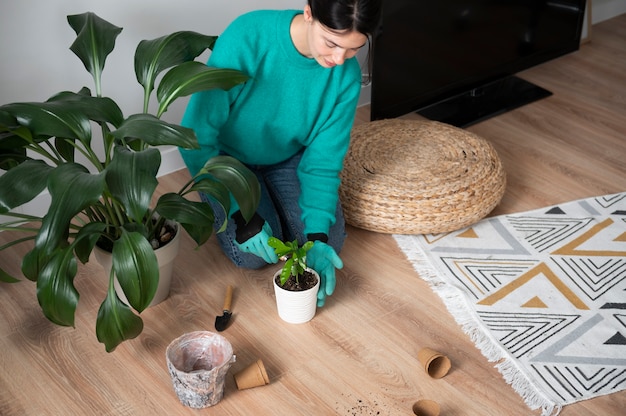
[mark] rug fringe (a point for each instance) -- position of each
(464, 315)
(531, 396)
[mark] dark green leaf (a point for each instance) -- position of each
(72, 188)
(55, 288)
(142, 228)
(156, 132)
(65, 147)
(14, 140)
(86, 240)
(190, 77)
(154, 56)
(23, 183)
(116, 322)
(196, 217)
(98, 109)
(136, 269)
(7, 278)
(33, 262)
(238, 179)
(7, 121)
(95, 39)
(12, 158)
(131, 177)
(217, 191)
(58, 119)
(11, 134)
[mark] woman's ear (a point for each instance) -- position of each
(308, 16)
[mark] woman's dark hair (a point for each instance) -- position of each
(359, 15)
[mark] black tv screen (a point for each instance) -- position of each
(455, 60)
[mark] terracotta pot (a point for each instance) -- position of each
(296, 307)
(165, 257)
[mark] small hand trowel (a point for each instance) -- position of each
(221, 322)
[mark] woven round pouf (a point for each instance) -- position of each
(418, 177)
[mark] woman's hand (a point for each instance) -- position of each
(252, 237)
(324, 260)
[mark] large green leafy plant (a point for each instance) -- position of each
(107, 200)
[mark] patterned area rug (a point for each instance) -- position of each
(542, 293)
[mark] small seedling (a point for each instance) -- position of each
(294, 256)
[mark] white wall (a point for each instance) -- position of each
(602, 10)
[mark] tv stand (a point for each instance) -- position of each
(484, 102)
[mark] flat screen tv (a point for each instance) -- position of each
(455, 60)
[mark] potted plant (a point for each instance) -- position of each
(107, 199)
(295, 285)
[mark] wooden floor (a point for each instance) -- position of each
(358, 355)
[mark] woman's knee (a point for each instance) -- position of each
(248, 261)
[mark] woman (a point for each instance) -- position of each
(289, 123)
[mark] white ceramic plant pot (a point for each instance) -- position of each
(296, 307)
(165, 258)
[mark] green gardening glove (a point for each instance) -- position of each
(251, 237)
(324, 260)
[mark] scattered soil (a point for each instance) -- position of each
(364, 407)
(306, 281)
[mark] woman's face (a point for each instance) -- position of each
(330, 47)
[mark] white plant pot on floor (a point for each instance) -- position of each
(165, 258)
(296, 307)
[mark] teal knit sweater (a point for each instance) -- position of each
(289, 103)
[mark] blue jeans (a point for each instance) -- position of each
(280, 190)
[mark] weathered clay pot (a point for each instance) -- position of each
(198, 363)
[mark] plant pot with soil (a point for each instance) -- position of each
(295, 284)
(166, 252)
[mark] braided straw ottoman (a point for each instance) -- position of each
(418, 177)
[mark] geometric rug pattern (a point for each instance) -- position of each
(541, 293)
